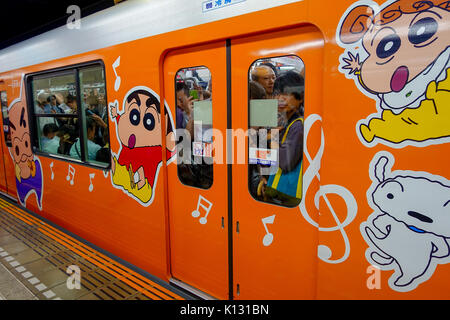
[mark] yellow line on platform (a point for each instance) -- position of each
(128, 276)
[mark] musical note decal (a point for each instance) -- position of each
(91, 186)
(70, 172)
(51, 169)
(196, 212)
(118, 79)
(324, 252)
(268, 237)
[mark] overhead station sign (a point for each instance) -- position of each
(217, 4)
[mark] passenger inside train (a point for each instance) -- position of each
(276, 97)
(265, 76)
(50, 141)
(193, 87)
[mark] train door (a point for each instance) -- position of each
(195, 88)
(6, 140)
(274, 247)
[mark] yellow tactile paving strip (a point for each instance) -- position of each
(101, 277)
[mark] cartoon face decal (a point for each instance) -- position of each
(409, 230)
(20, 136)
(27, 167)
(139, 126)
(140, 123)
(399, 55)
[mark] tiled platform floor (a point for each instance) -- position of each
(35, 258)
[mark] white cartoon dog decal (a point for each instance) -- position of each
(398, 54)
(410, 227)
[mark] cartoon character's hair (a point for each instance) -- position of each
(151, 100)
(360, 18)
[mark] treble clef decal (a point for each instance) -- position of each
(324, 252)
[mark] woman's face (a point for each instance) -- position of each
(287, 102)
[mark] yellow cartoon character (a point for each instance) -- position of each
(405, 58)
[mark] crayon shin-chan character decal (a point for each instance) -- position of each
(399, 55)
(27, 167)
(136, 166)
(409, 230)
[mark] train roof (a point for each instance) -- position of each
(127, 21)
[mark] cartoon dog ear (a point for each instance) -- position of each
(380, 168)
(356, 24)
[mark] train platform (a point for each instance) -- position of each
(40, 262)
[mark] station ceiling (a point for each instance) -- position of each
(24, 19)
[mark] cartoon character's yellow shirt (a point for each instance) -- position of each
(431, 120)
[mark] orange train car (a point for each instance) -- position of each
(243, 149)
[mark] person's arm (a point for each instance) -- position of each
(291, 151)
(99, 120)
(189, 109)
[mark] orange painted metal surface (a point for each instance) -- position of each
(279, 273)
(199, 251)
(326, 255)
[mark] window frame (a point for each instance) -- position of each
(192, 137)
(248, 128)
(32, 116)
(8, 143)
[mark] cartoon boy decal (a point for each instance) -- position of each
(399, 54)
(409, 230)
(139, 129)
(27, 166)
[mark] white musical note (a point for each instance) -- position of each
(268, 237)
(118, 80)
(91, 186)
(70, 172)
(196, 212)
(324, 252)
(51, 169)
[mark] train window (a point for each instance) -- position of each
(95, 128)
(194, 126)
(6, 131)
(55, 112)
(61, 126)
(276, 99)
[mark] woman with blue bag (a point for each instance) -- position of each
(285, 186)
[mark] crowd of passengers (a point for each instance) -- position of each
(200, 174)
(267, 82)
(288, 89)
(60, 135)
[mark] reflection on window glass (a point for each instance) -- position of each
(6, 131)
(62, 126)
(194, 126)
(55, 109)
(95, 129)
(276, 109)
(50, 93)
